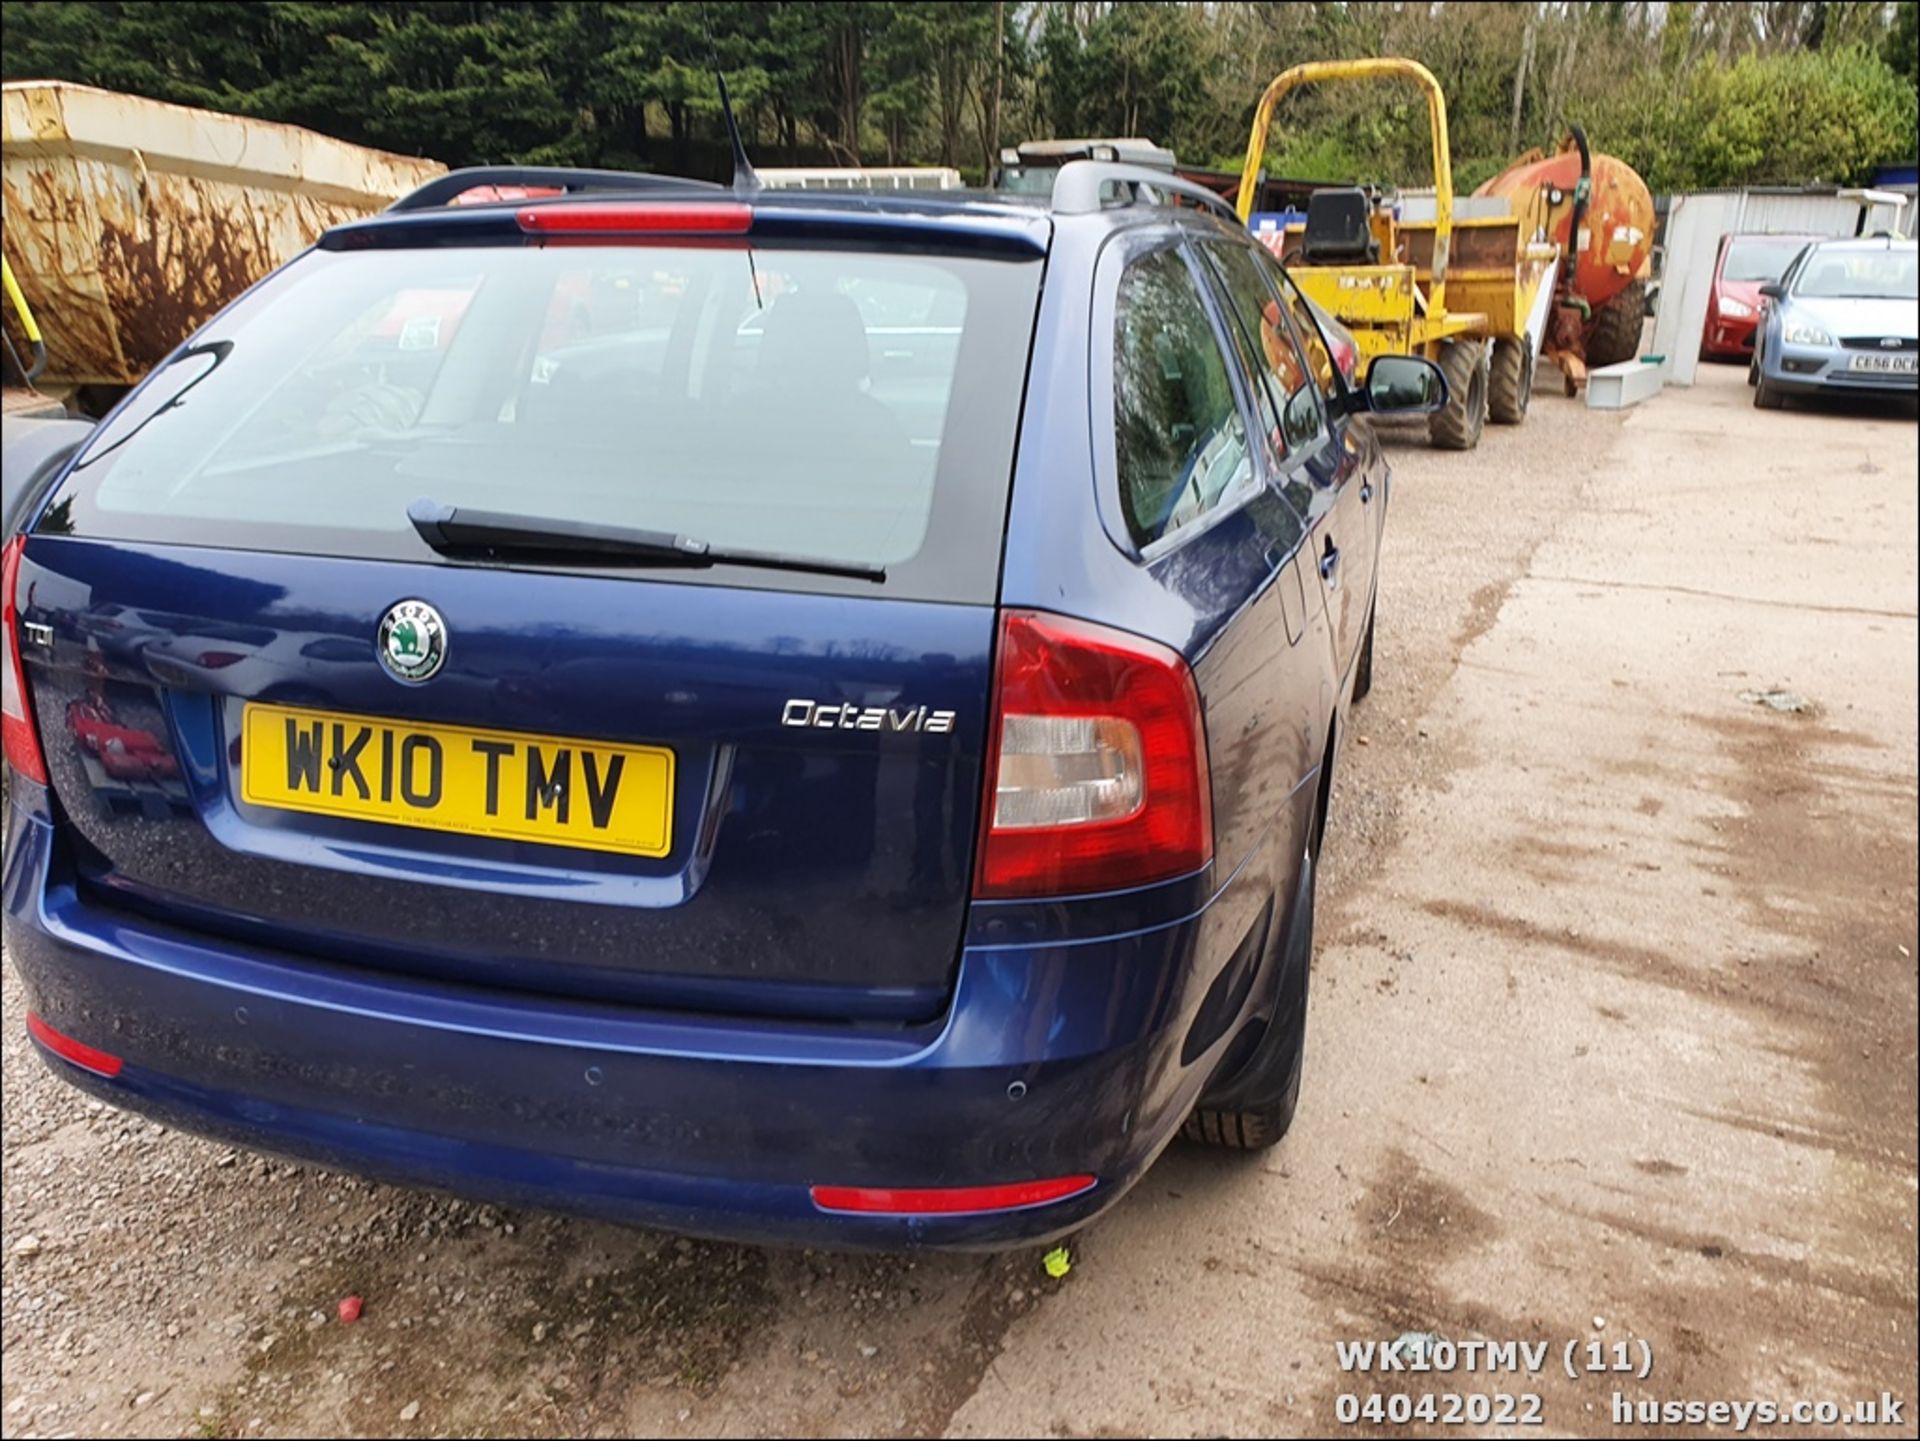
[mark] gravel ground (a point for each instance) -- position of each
(1457, 1179)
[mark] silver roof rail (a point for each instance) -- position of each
(1077, 189)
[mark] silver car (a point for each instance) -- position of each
(1842, 318)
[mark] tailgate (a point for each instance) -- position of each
(744, 800)
(740, 771)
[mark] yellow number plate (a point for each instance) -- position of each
(520, 787)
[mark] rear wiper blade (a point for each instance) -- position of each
(488, 534)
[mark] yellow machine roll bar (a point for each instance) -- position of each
(1315, 71)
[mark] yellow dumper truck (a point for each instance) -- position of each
(1465, 283)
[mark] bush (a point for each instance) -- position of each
(1800, 117)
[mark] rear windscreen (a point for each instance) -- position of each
(842, 405)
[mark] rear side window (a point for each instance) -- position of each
(795, 400)
(1178, 434)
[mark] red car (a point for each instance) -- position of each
(124, 753)
(1746, 263)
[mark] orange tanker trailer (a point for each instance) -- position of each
(1598, 211)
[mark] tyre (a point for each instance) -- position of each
(1616, 327)
(1363, 671)
(1257, 1107)
(1753, 370)
(1458, 426)
(1766, 397)
(1510, 381)
(1252, 1128)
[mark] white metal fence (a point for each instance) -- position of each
(863, 177)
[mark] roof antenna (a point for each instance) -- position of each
(745, 182)
(744, 179)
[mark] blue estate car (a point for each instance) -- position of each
(1844, 318)
(774, 715)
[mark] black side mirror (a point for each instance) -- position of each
(1404, 385)
(1774, 290)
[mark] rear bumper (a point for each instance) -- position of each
(1052, 1061)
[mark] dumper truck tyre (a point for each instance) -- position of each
(1510, 381)
(1616, 327)
(1458, 425)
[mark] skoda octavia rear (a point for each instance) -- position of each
(583, 703)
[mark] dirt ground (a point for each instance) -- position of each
(1612, 1038)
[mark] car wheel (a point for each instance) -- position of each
(1363, 671)
(1253, 1128)
(1510, 381)
(1258, 1105)
(1753, 369)
(1458, 425)
(1766, 397)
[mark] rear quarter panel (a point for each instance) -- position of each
(1218, 597)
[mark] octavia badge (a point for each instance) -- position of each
(413, 641)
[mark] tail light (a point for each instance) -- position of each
(1097, 763)
(17, 736)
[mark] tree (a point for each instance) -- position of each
(1902, 48)
(1520, 75)
(1690, 92)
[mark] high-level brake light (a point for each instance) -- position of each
(636, 219)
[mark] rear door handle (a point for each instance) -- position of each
(1366, 491)
(1330, 564)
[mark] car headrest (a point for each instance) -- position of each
(814, 339)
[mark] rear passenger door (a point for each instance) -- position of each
(1193, 489)
(1317, 476)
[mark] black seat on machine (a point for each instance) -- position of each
(1337, 228)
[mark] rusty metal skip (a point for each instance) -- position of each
(130, 222)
